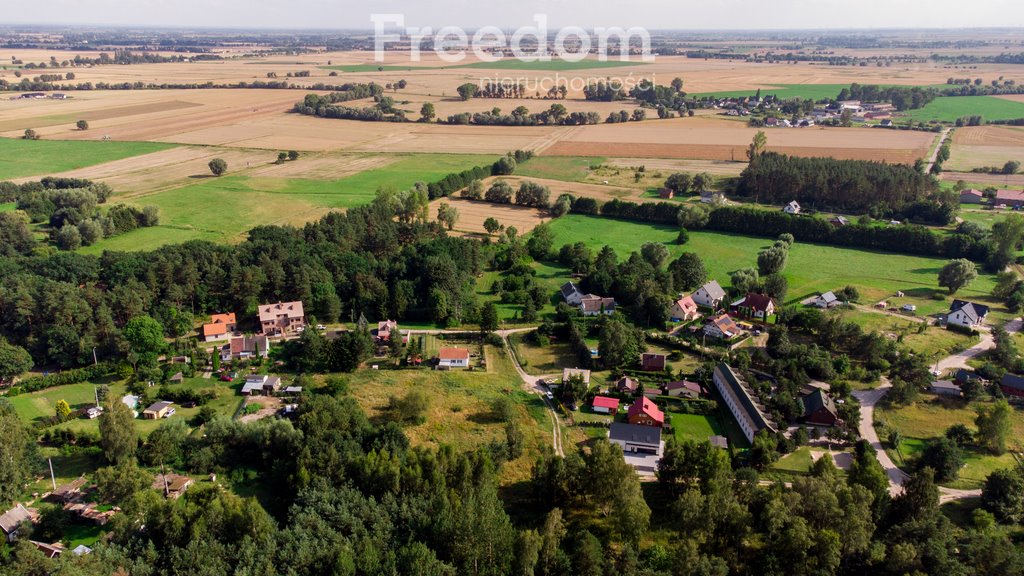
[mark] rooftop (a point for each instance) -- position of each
(453, 354)
(624, 432)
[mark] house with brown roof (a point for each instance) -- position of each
(68, 492)
(652, 362)
(644, 412)
(51, 551)
(722, 327)
(157, 410)
(1011, 198)
(592, 305)
(819, 409)
(220, 327)
(971, 196)
(283, 318)
(245, 347)
(753, 305)
(385, 328)
(666, 194)
(11, 521)
(682, 389)
(172, 485)
(453, 358)
(627, 385)
(684, 310)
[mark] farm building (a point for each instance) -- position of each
(282, 318)
(666, 194)
(709, 295)
(966, 314)
(220, 327)
(172, 485)
(157, 410)
(1012, 385)
(1011, 198)
(645, 413)
(261, 385)
(453, 358)
(945, 388)
(971, 196)
(741, 402)
(827, 300)
(819, 409)
(605, 405)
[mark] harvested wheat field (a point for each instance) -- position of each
(600, 192)
(713, 167)
(473, 213)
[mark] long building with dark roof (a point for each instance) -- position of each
(741, 402)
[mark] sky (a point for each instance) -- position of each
(652, 14)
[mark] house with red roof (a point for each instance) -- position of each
(684, 310)
(1011, 198)
(385, 328)
(645, 412)
(722, 327)
(220, 327)
(605, 405)
(453, 358)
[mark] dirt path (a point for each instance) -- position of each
(532, 384)
(935, 153)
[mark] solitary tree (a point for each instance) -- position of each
(1011, 167)
(117, 433)
(757, 146)
(218, 166)
(702, 183)
(63, 410)
(281, 157)
(293, 155)
(467, 90)
(30, 134)
(447, 215)
(427, 112)
(489, 318)
(491, 225)
(994, 426)
(957, 274)
(677, 84)
(82, 125)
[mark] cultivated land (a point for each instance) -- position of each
(949, 109)
(20, 158)
(979, 146)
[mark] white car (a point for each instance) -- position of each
(169, 413)
(321, 327)
(909, 308)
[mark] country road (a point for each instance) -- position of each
(935, 153)
(531, 383)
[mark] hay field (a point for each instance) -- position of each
(473, 213)
(978, 146)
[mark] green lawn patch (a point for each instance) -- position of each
(798, 462)
(8, 206)
(784, 91)
(564, 168)
(543, 359)
(695, 427)
(949, 108)
(933, 342)
(20, 158)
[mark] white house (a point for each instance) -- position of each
(571, 294)
(453, 358)
(684, 309)
(743, 405)
(709, 295)
(827, 300)
(966, 314)
(591, 305)
(792, 208)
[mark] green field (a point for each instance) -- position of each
(784, 91)
(811, 268)
(353, 68)
(695, 427)
(564, 168)
(224, 209)
(933, 342)
(20, 158)
(949, 108)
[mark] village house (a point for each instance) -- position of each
(652, 362)
(946, 388)
(966, 314)
(51, 551)
(722, 327)
(571, 294)
(712, 197)
(605, 405)
(753, 305)
(592, 305)
(792, 208)
(172, 485)
(261, 385)
(641, 445)
(1012, 385)
(627, 385)
(220, 327)
(709, 295)
(11, 521)
(67, 492)
(819, 409)
(645, 412)
(385, 328)
(283, 318)
(157, 410)
(1011, 198)
(827, 300)
(839, 221)
(245, 347)
(682, 389)
(684, 310)
(741, 402)
(964, 376)
(453, 358)
(570, 372)
(971, 196)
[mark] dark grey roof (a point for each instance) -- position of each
(752, 410)
(945, 385)
(816, 401)
(978, 311)
(1012, 381)
(568, 289)
(624, 432)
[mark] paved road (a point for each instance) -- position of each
(870, 398)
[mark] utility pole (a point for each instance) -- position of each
(94, 360)
(53, 478)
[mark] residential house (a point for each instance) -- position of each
(839, 221)
(712, 197)
(571, 294)
(792, 208)
(605, 405)
(157, 410)
(385, 329)
(634, 438)
(753, 305)
(220, 327)
(722, 327)
(94, 412)
(946, 388)
(570, 372)
(819, 409)
(627, 385)
(964, 376)
(261, 385)
(51, 551)
(12, 520)
(709, 295)
(592, 305)
(741, 402)
(666, 194)
(246, 347)
(886, 123)
(682, 389)
(971, 196)
(645, 413)
(684, 310)
(966, 314)
(1012, 385)
(178, 378)
(67, 492)
(827, 300)
(1012, 198)
(453, 358)
(172, 485)
(283, 318)
(652, 362)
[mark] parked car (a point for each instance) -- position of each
(169, 413)
(909, 308)
(321, 327)
(550, 395)
(226, 378)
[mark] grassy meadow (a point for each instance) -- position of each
(783, 91)
(19, 158)
(949, 108)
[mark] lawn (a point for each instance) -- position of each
(695, 427)
(949, 108)
(929, 418)
(564, 168)
(225, 209)
(784, 91)
(541, 360)
(460, 413)
(353, 68)
(798, 462)
(20, 158)
(811, 268)
(933, 342)
(8, 206)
